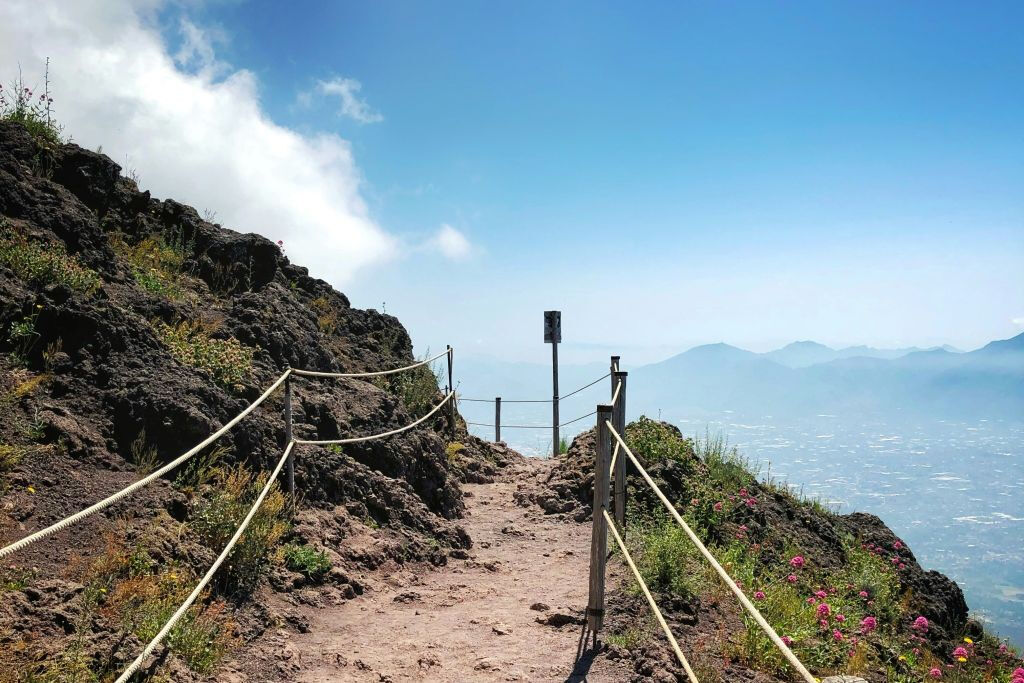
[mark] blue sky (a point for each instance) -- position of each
(667, 174)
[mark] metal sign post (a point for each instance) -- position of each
(553, 335)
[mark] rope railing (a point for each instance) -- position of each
(356, 439)
(539, 400)
(204, 582)
(505, 426)
(728, 580)
(132, 488)
(650, 600)
(378, 373)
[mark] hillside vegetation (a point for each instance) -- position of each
(844, 591)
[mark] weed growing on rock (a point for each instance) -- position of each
(144, 457)
(452, 450)
(44, 264)
(227, 360)
(156, 262)
(418, 387)
(306, 560)
(34, 111)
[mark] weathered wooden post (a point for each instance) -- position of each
(497, 419)
(619, 422)
(288, 435)
(599, 533)
(553, 335)
(451, 403)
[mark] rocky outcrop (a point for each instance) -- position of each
(93, 379)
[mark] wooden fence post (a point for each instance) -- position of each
(599, 533)
(288, 435)
(451, 403)
(619, 422)
(497, 419)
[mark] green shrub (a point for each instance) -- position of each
(652, 441)
(306, 560)
(418, 388)
(227, 360)
(727, 467)
(217, 517)
(43, 264)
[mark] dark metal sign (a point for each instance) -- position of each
(552, 327)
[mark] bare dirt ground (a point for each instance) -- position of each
(481, 618)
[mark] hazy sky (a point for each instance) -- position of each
(666, 174)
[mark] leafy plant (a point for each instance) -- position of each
(227, 360)
(43, 264)
(452, 450)
(307, 560)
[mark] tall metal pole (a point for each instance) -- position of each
(451, 403)
(288, 436)
(497, 419)
(554, 400)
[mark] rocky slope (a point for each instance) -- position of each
(132, 329)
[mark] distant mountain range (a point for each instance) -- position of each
(804, 353)
(803, 378)
(810, 378)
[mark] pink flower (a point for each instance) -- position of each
(717, 506)
(837, 634)
(821, 594)
(751, 502)
(840, 618)
(743, 492)
(787, 641)
(895, 560)
(759, 595)
(743, 527)
(797, 562)
(694, 501)
(897, 545)
(936, 672)
(812, 601)
(791, 578)
(824, 610)
(863, 594)
(1002, 648)
(901, 566)
(920, 625)
(960, 652)
(868, 624)
(824, 624)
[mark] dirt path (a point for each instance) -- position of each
(476, 619)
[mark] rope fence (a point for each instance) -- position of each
(729, 582)
(357, 439)
(128, 490)
(538, 400)
(378, 373)
(505, 426)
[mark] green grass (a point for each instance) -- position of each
(156, 263)
(39, 263)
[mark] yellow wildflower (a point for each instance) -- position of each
(31, 489)
(968, 641)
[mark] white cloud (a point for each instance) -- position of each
(451, 243)
(194, 128)
(347, 90)
(1019, 322)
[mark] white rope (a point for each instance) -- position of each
(749, 606)
(127, 491)
(650, 600)
(545, 400)
(313, 373)
(137, 664)
(356, 439)
(615, 396)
